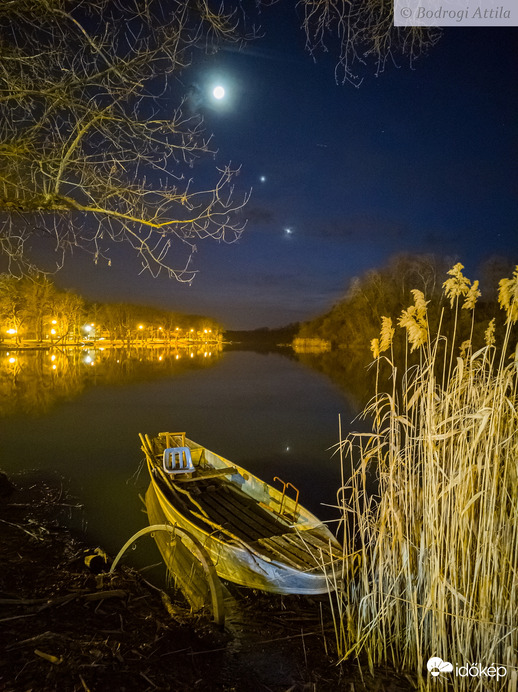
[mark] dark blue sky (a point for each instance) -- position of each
(415, 160)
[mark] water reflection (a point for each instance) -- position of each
(352, 373)
(32, 381)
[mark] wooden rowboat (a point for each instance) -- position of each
(256, 535)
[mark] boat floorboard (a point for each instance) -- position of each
(298, 557)
(228, 507)
(294, 546)
(234, 510)
(220, 514)
(318, 544)
(182, 506)
(279, 552)
(265, 520)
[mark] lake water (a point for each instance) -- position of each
(79, 413)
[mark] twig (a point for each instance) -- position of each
(304, 647)
(44, 504)
(17, 526)
(85, 686)
(60, 600)
(48, 657)
(37, 638)
(148, 680)
(99, 595)
(17, 617)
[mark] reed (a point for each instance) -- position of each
(430, 511)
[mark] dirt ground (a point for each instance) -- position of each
(65, 628)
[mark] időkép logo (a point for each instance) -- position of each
(436, 666)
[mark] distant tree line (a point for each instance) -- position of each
(36, 309)
(264, 339)
(355, 320)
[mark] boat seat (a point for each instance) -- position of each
(178, 460)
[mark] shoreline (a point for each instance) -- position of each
(102, 343)
(66, 628)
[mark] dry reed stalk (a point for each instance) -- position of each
(439, 546)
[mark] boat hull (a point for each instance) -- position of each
(255, 564)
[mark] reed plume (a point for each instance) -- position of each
(433, 546)
(414, 319)
(457, 285)
(387, 334)
(508, 297)
(489, 334)
(375, 348)
(471, 297)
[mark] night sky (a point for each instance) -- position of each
(415, 160)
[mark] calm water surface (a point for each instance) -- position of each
(80, 414)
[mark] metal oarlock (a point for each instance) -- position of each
(284, 486)
(276, 478)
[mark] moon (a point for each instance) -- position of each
(218, 92)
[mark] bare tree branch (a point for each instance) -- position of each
(96, 140)
(362, 31)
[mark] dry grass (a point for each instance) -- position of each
(435, 566)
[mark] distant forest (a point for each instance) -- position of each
(351, 325)
(355, 320)
(35, 308)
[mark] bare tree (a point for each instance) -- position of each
(97, 140)
(362, 31)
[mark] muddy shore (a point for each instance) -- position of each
(64, 627)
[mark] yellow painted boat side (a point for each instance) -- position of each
(235, 560)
